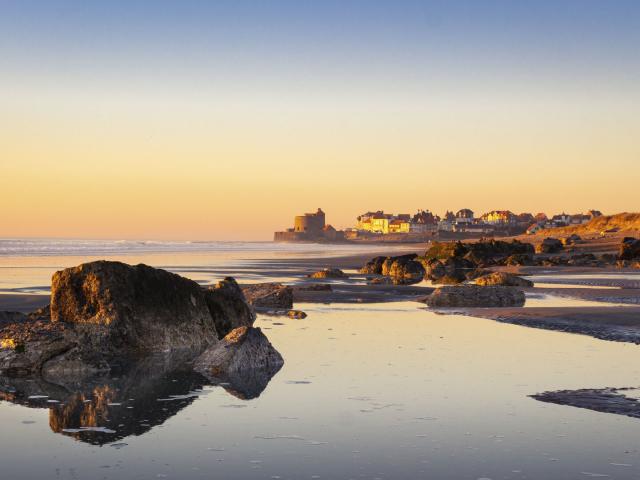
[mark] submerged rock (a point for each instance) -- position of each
(502, 278)
(476, 296)
(269, 295)
(245, 357)
(328, 273)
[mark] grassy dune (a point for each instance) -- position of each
(623, 222)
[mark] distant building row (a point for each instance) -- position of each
(463, 221)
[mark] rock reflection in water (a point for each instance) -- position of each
(102, 410)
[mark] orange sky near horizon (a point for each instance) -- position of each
(145, 165)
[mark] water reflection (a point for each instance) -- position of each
(105, 409)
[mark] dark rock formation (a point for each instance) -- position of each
(549, 245)
(629, 249)
(228, 307)
(619, 401)
(26, 346)
(269, 295)
(328, 273)
(450, 271)
(104, 315)
(132, 308)
(502, 278)
(482, 253)
(406, 271)
(400, 259)
(476, 296)
(373, 266)
(244, 356)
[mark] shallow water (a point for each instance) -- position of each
(377, 391)
(27, 266)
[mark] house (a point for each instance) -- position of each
(499, 217)
(579, 219)
(525, 219)
(399, 226)
(375, 222)
(464, 216)
(449, 216)
(424, 221)
(380, 223)
(541, 218)
(561, 220)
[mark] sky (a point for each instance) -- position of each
(201, 120)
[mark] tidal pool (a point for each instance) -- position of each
(387, 391)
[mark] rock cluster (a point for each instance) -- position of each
(401, 270)
(105, 314)
(476, 296)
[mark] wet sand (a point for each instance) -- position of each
(620, 324)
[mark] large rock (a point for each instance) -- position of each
(400, 259)
(503, 278)
(132, 308)
(328, 273)
(245, 356)
(549, 245)
(629, 249)
(228, 307)
(476, 296)
(406, 271)
(104, 315)
(449, 271)
(269, 295)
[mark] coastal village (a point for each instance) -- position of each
(424, 225)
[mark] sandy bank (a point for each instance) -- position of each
(607, 323)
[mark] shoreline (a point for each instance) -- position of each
(615, 314)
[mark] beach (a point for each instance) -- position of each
(375, 384)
